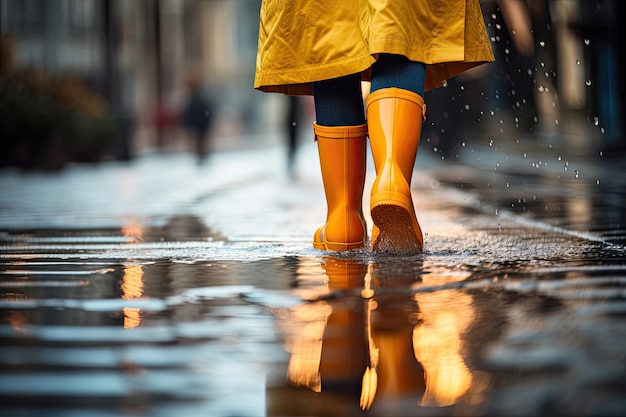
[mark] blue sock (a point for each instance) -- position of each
(398, 71)
(339, 102)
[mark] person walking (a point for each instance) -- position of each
(292, 117)
(197, 115)
(326, 49)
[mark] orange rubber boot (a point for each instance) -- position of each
(395, 123)
(342, 152)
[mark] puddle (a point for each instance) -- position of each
(516, 307)
(180, 320)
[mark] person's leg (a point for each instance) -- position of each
(341, 132)
(339, 102)
(397, 71)
(395, 111)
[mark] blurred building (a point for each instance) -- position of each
(137, 54)
(556, 78)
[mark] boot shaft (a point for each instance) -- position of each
(395, 123)
(342, 153)
(394, 119)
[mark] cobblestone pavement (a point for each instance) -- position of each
(164, 287)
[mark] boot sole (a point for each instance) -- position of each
(397, 232)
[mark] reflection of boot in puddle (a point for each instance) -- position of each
(400, 377)
(380, 346)
(345, 351)
(419, 344)
(326, 339)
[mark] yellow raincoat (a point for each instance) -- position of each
(302, 41)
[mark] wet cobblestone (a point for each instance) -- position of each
(194, 290)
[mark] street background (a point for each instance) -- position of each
(153, 266)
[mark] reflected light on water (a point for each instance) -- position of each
(387, 346)
(305, 344)
(133, 231)
(132, 287)
(369, 385)
(17, 321)
(437, 342)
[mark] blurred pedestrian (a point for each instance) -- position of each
(197, 115)
(292, 117)
(325, 49)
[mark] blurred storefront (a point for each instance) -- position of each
(137, 55)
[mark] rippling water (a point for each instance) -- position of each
(516, 307)
(98, 323)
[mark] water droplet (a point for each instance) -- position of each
(588, 83)
(578, 62)
(542, 44)
(596, 121)
(576, 173)
(597, 182)
(587, 42)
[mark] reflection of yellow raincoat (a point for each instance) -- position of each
(301, 41)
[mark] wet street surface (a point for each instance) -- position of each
(164, 287)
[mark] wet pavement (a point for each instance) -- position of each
(164, 287)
